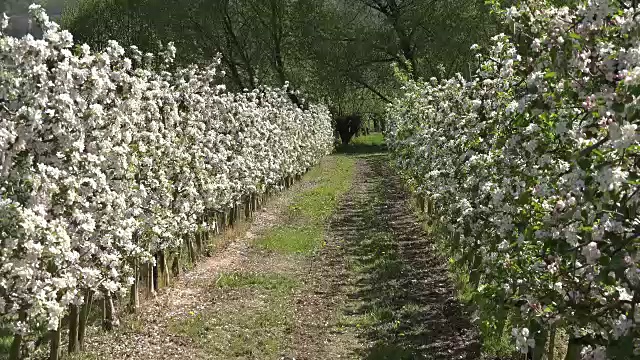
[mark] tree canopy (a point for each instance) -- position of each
(346, 53)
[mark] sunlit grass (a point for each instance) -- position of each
(304, 230)
(373, 139)
(289, 239)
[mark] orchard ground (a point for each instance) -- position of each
(336, 267)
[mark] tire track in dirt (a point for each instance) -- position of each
(382, 270)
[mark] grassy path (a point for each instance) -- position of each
(402, 303)
(335, 268)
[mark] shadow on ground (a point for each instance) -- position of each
(402, 302)
(361, 149)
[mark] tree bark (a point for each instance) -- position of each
(475, 275)
(573, 349)
(84, 318)
(150, 281)
(108, 313)
(552, 343)
(56, 339)
(175, 267)
(163, 269)
(74, 319)
(540, 337)
(134, 297)
(188, 244)
(15, 353)
(247, 208)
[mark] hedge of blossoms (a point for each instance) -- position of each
(532, 166)
(104, 161)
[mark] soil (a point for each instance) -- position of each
(376, 290)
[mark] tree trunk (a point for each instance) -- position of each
(84, 318)
(74, 319)
(573, 349)
(134, 298)
(162, 269)
(15, 353)
(552, 343)
(476, 274)
(176, 265)
(54, 349)
(149, 280)
(156, 272)
(108, 313)
(540, 337)
(189, 242)
(218, 229)
(421, 203)
(247, 209)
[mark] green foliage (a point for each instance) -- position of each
(5, 345)
(97, 21)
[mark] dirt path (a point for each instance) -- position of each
(371, 290)
(401, 301)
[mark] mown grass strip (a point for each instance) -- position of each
(373, 139)
(251, 318)
(304, 231)
(293, 240)
(246, 330)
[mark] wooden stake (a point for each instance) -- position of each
(134, 297)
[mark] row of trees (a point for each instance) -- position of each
(530, 173)
(117, 166)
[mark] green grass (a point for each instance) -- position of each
(293, 240)
(372, 317)
(304, 230)
(252, 314)
(333, 177)
(273, 282)
(373, 139)
(5, 345)
(252, 320)
(366, 144)
(244, 329)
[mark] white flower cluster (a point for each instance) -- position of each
(104, 161)
(533, 169)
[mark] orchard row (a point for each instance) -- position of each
(530, 170)
(114, 162)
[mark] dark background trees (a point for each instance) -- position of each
(344, 53)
